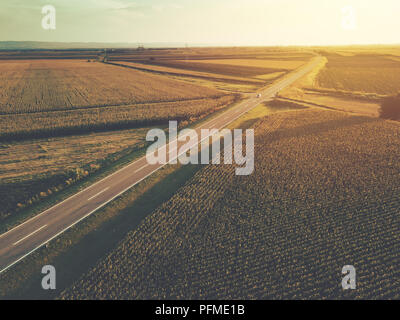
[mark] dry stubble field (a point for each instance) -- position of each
(48, 85)
(351, 80)
(363, 73)
(228, 69)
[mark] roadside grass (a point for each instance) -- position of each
(351, 105)
(308, 90)
(296, 89)
(224, 86)
(262, 110)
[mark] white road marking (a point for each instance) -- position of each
(98, 193)
(140, 168)
(15, 243)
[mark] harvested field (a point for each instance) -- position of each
(370, 108)
(324, 194)
(33, 170)
(58, 123)
(258, 63)
(44, 85)
(223, 69)
(363, 73)
(211, 53)
(193, 74)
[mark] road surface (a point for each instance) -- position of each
(29, 236)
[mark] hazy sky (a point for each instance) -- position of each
(239, 22)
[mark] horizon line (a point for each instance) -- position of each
(189, 45)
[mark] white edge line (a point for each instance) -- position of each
(80, 219)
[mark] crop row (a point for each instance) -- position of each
(44, 124)
(361, 73)
(44, 85)
(223, 69)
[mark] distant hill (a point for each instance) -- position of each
(37, 45)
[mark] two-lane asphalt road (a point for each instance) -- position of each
(27, 237)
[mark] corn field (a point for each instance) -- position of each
(361, 73)
(324, 194)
